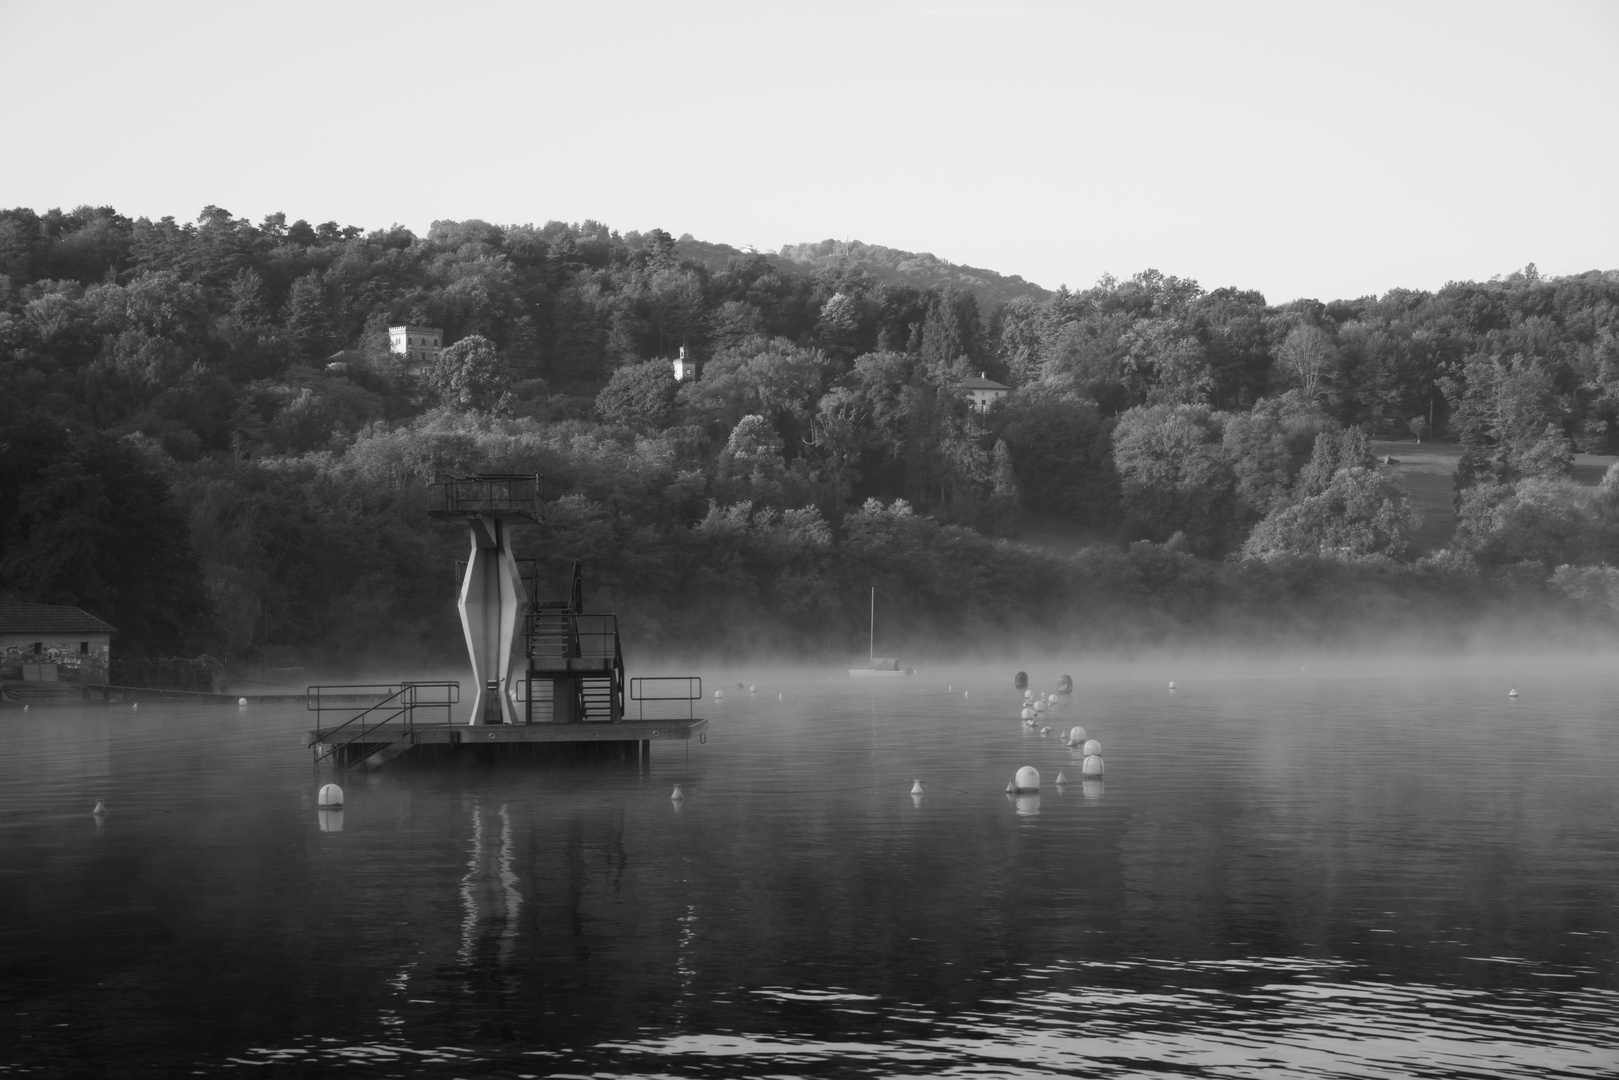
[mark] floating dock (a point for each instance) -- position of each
(627, 741)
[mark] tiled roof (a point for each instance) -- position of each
(49, 619)
(977, 383)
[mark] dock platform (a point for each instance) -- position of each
(627, 740)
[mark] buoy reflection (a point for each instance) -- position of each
(1027, 805)
(330, 820)
(1094, 788)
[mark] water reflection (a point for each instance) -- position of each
(330, 820)
(489, 894)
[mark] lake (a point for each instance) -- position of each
(1373, 870)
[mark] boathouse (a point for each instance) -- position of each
(53, 642)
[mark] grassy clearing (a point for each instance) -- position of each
(1427, 471)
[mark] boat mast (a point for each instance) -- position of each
(872, 645)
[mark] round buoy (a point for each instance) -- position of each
(1172, 684)
(330, 797)
(1061, 780)
(916, 787)
(1021, 679)
(753, 689)
(719, 695)
(1065, 685)
(241, 701)
(1076, 735)
(676, 795)
(1092, 766)
(966, 693)
(1027, 714)
(1092, 747)
(1039, 707)
(950, 687)
(101, 808)
(779, 697)
(1513, 692)
(1028, 695)
(1027, 781)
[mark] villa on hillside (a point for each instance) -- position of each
(984, 391)
(48, 642)
(419, 345)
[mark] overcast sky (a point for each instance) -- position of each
(1326, 150)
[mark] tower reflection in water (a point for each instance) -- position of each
(490, 900)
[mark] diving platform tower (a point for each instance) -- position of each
(534, 661)
(494, 601)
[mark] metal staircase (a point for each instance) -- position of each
(381, 731)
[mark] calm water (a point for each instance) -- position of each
(1284, 874)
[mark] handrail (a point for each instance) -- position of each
(693, 691)
(404, 696)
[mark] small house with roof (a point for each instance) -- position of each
(49, 642)
(982, 392)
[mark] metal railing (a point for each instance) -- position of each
(503, 494)
(561, 641)
(398, 702)
(687, 688)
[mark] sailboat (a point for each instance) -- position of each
(881, 667)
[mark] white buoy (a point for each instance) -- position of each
(1076, 735)
(1061, 779)
(952, 686)
(1172, 684)
(101, 808)
(1011, 788)
(1039, 707)
(1092, 747)
(241, 701)
(1028, 695)
(25, 708)
(753, 689)
(966, 693)
(779, 697)
(719, 695)
(1053, 699)
(1044, 732)
(676, 795)
(1513, 692)
(1092, 766)
(1026, 714)
(330, 797)
(916, 787)
(136, 705)
(1027, 781)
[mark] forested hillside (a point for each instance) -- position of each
(183, 456)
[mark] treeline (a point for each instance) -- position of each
(182, 455)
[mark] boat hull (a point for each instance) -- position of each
(868, 673)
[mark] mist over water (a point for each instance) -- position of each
(1366, 867)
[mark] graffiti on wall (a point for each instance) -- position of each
(70, 663)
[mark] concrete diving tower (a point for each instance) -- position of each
(494, 600)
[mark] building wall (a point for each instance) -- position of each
(419, 345)
(982, 399)
(80, 656)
